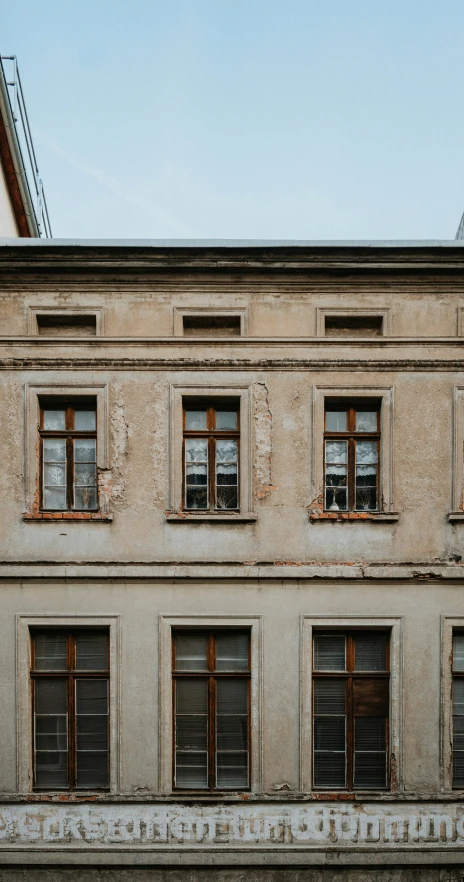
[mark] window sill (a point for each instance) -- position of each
(184, 517)
(67, 516)
(342, 517)
(455, 516)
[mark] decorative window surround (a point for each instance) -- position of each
(457, 464)
(206, 312)
(23, 696)
(343, 623)
(448, 625)
(96, 312)
(177, 395)
(166, 625)
(322, 312)
(386, 511)
(33, 393)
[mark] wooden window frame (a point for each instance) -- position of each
(212, 435)
(351, 406)
(70, 406)
(212, 675)
(349, 675)
(71, 675)
(455, 675)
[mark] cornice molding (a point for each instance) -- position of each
(72, 363)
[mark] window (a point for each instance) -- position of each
(352, 452)
(211, 456)
(458, 710)
(68, 453)
(222, 325)
(350, 710)
(211, 709)
(70, 685)
(63, 325)
(353, 325)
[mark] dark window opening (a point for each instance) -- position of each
(353, 326)
(351, 685)
(70, 694)
(49, 325)
(212, 325)
(458, 710)
(211, 710)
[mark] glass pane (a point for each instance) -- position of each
(232, 697)
(85, 420)
(336, 451)
(458, 733)
(51, 770)
(369, 733)
(366, 452)
(458, 696)
(50, 652)
(370, 770)
(196, 498)
(226, 419)
(191, 697)
(458, 768)
(335, 499)
(329, 733)
(366, 421)
(85, 449)
(226, 451)
(195, 420)
(329, 652)
(192, 732)
(370, 652)
(191, 652)
(51, 697)
(329, 697)
(232, 732)
(51, 733)
(192, 770)
(92, 769)
(232, 770)
(54, 450)
(458, 652)
(232, 652)
(335, 475)
(54, 419)
(329, 770)
(196, 450)
(54, 475)
(85, 499)
(196, 474)
(370, 757)
(366, 498)
(92, 732)
(85, 474)
(54, 499)
(335, 420)
(91, 651)
(227, 497)
(92, 697)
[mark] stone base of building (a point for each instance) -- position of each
(230, 874)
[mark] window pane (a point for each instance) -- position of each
(85, 450)
(54, 475)
(85, 420)
(329, 770)
(51, 727)
(335, 499)
(92, 697)
(366, 421)
(85, 474)
(92, 733)
(54, 419)
(231, 770)
(91, 651)
(191, 696)
(226, 419)
(370, 652)
(54, 450)
(458, 697)
(329, 652)
(329, 697)
(85, 499)
(370, 757)
(226, 474)
(54, 499)
(51, 696)
(232, 696)
(51, 733)
(458, 652)
(329, 733)
(226, 452)
(191, 770)
(231, 732)
(336, 452)
(335, 420)
(50, 652)
(192, 732)
(51, 770)
(458, 750)
(92, 769)
(232, 652)
(366, 452)
(195, 420)
(191, 652)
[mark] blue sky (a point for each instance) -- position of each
(340, 119)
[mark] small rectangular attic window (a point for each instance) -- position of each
(212, 325)
(61, 325)
(353, 325)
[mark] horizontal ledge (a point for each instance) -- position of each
(183, 517)
(456, 516)
(54, 517)
(354, 517)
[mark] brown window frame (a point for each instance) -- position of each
(351, 406)
(71, 675)
(212, 675)
(70, 406)
(455, 675)
(349, 675)
(212, 435)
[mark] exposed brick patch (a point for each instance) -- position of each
(67, 516)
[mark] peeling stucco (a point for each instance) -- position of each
(263, 440)
(111, 482)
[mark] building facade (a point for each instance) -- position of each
(232, 610)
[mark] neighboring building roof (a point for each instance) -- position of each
(460, 232)
(236, 244)
(21, 186)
